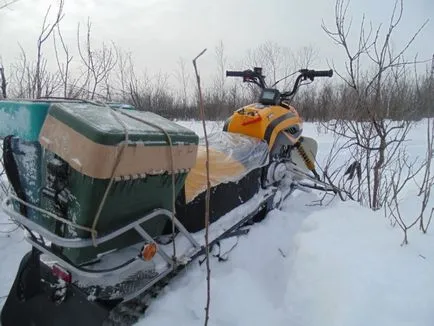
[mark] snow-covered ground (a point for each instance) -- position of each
(12, 248)
(303, 265)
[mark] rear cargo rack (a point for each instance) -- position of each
(82, 243)
(87, 278)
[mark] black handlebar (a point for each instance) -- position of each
(235, 73)
(255, 76)
(324, 73)
(316, 73)
(307, 74)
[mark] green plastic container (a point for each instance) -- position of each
(82, 142)
(23, 119)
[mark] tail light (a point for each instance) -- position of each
(61, 273)
(149, 251)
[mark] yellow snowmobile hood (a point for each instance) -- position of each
(266, 122)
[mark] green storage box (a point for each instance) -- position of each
(82, 142)
(23, 119)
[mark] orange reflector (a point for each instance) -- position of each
(149, 251)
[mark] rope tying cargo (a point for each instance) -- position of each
(112, 178)
(118, 159)
(172, 164)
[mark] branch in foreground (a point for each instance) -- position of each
(5, 4)
(208, 186)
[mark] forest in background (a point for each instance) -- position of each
(376, 79)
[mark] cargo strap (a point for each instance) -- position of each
(118, 159)
(172, 165)
(124, 144)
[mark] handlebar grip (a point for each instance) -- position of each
(235, 73)
(322, 73)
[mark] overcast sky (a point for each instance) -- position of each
(158, 32)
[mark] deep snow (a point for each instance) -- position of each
(303, 265)
(340, 265)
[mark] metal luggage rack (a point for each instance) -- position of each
(53, 238)
(133, 264)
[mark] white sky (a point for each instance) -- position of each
(159, 32)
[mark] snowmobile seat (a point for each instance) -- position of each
(235, 165)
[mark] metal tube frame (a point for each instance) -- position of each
(81, 243)
(133, 264)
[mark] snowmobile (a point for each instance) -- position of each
(112, 199)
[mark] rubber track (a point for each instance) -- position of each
(129, 313)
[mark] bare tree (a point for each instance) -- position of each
(375, 138)
(400, 179)
(64, 66)
(183, 78)
(276, 60)
(46, 31)
(138, 89)
(432, 67)
(428, 179)
(3, 83)
(125, 67)
(99, 63)
(220, 79)
(305, 57)
(31, 78)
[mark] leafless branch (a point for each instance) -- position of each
(46, 30)
(7, 3)
(63, 67)
(99, 63)
(207, 196)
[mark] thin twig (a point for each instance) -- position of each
(208, 187)
(7, 3)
